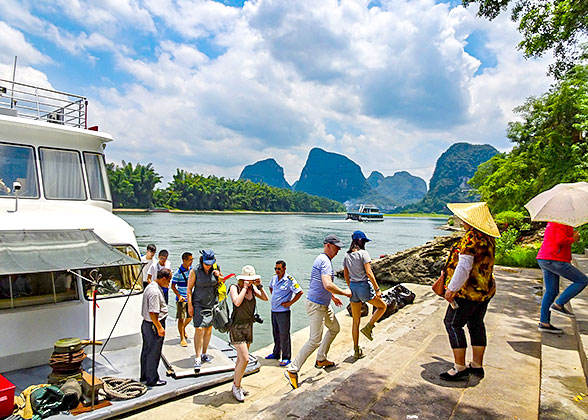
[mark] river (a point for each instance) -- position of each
(262, 239)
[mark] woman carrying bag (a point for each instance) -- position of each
(469, 286)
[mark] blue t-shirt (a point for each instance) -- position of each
(282, 291)
(180, 279)
(316, 291)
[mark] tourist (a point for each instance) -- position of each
(202, 296)
(154, 312)
(148, 260)
(243, 295)
(285, 292)
(554, 258)
(357, 269)
(469, 284)
(179, 286)
(160, 264)
(320, 294)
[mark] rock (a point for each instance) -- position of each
(421, 264)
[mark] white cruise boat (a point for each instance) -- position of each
(56, 230)
(54, 166)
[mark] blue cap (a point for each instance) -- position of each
(208, 256)
(358, 234)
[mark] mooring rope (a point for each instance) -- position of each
(122, 389)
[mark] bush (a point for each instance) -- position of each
(515, 219)
(582, 244)
(519, 256)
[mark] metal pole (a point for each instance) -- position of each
(93, 346)
(13, 79)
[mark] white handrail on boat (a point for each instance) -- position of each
(40, 103)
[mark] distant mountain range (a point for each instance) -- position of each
(337, 177)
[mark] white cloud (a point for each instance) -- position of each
(391, 87)
(14, 44)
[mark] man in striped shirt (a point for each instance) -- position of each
(180, 287)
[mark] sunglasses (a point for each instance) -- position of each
(278, 268)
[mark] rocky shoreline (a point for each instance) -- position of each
(421, 264)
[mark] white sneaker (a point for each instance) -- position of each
(197, 364)
(238, 393)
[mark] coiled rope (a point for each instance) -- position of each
(122, 389)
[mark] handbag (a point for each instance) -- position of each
(221, 320)
(439, 285)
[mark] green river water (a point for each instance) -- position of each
(261, 239)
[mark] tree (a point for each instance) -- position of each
(545, 24)
(132, 187)
(550, 146)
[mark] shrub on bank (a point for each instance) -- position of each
(519, 256)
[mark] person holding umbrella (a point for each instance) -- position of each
(564, 207)
(555, 258)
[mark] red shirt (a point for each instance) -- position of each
(557, 243)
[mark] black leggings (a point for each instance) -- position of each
(471, 313)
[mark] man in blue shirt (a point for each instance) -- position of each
(180, 287)
(282, 286)
(320, 315)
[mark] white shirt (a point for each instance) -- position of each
(155, 267)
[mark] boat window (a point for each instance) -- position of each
(37, 289)
(62, 174)
(97, 178)
(17, 164)
(119, 280)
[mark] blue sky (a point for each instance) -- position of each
(211, 86)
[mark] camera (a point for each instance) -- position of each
(257, 318)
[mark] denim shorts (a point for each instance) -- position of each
(361, 291)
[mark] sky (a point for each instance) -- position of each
(211, 86)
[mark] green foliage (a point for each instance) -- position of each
(510, 254)
(189, 191)
(550, 147)
(545, 25)
(509, 218)
(132, 187)
(582, 244)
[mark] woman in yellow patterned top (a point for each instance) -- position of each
(469, 285)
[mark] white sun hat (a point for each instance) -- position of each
(477, 215)
(248, 273)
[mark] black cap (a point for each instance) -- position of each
(333, 239)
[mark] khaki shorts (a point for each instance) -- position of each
(182, 310)
(241, 333)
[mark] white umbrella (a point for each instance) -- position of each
(565, 203)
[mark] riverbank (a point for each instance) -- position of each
(434, 215)
(399, 379)
(216, 211)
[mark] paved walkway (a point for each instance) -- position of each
(399, 377)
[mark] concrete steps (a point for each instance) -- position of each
(564, 367)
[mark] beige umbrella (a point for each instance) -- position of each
(565, 203)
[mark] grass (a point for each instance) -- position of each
(439, 215)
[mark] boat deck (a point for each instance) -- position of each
(125, 364)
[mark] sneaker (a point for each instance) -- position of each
(358, 353)
(206, 358)
(238, 393)
(459, 376)
(292, 377)
(367, 331)
(319, 364)
(271, 356)
(479, 372)
(197, 364)
(561, 310)
(550, 329)
(284, 362)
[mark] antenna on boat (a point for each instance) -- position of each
(13, 80)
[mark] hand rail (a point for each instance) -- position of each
(38, 103)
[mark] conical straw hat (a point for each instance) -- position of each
(476, 215)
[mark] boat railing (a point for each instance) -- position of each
(38, 103)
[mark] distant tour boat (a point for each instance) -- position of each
(366, 213)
